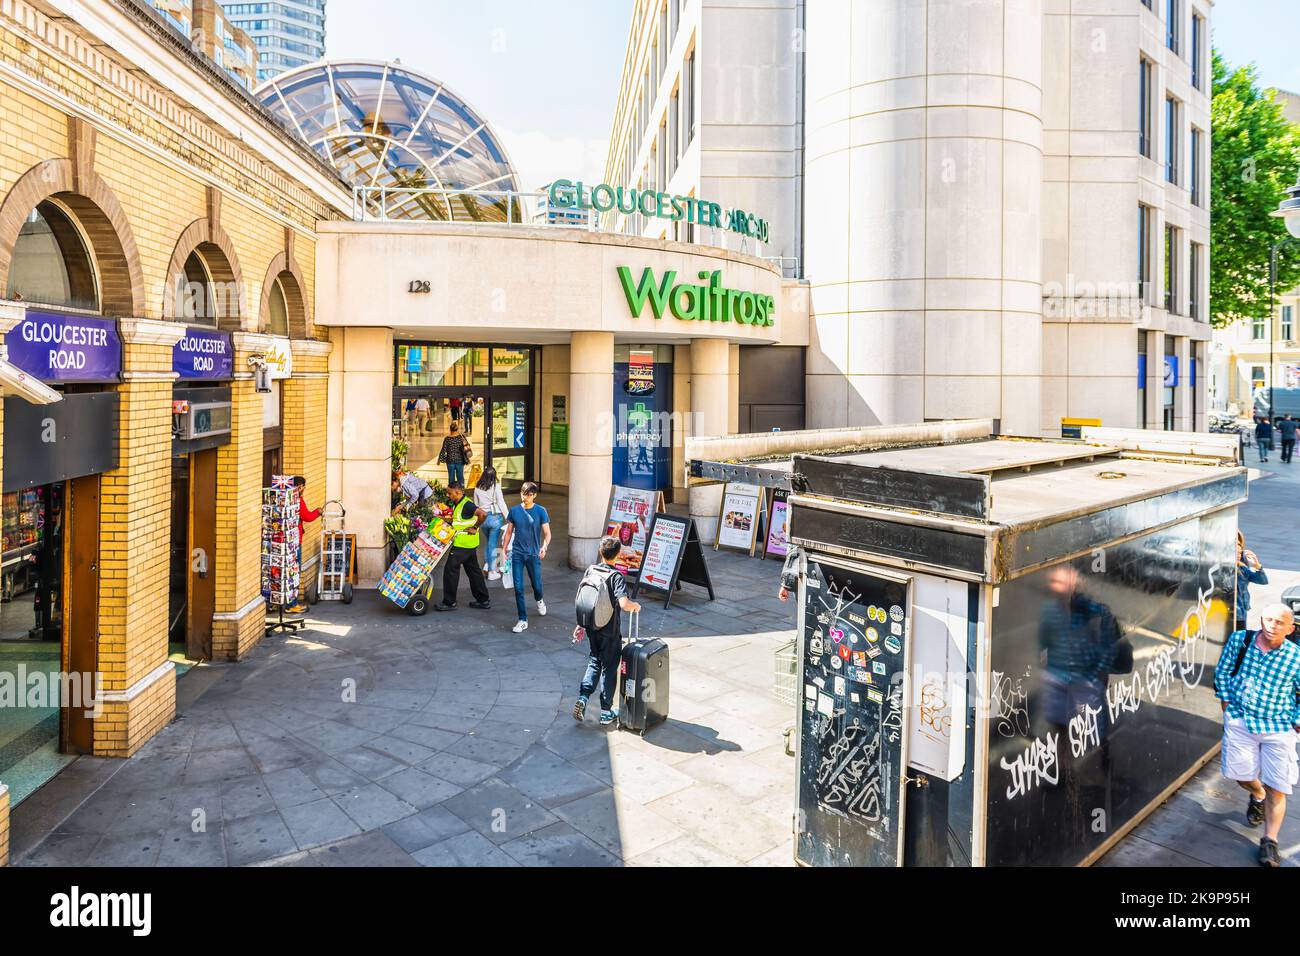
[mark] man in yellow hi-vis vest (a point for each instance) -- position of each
(465, 519)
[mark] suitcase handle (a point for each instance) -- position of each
(634, 624)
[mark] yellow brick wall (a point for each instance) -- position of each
(124, 727)
(239, 522)
(4, 828)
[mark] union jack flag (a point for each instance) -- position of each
(282, 481)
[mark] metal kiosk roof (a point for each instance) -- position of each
(958, 498)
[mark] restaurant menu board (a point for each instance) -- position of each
(778, 525)
(631, 511)
(852, 738)
(738, 520)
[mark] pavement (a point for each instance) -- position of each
(378, 738)
(1203, 824)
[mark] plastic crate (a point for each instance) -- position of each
(785, 684)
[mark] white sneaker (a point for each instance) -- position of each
(520, 627)
(493, 576)
(541, 608)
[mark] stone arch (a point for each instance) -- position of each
(99, 215)
(285, 269)
(218, 254)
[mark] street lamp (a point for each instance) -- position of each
(1289, 212)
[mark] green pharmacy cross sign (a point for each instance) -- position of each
(566, 194)
(711, 302)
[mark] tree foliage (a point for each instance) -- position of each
(1255, 160)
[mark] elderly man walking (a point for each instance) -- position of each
(1257, 682)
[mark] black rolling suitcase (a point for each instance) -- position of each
(645, 681)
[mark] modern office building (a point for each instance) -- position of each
(213, 35)
(1000, 208)
(544, 213)
(288, 33)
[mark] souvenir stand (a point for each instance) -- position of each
(280, 542)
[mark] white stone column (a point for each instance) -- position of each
(682, 417)
(591, 441)
(1183, 392)
(358, 466)
(1155, 380)
(925, 165)
(712, 414)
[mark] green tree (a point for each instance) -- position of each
(1256, 154)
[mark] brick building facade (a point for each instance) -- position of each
(160, 160)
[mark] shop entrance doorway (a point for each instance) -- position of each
(486, 391)
(193, 587)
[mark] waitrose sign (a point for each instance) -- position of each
(710, 302)
(566, 194)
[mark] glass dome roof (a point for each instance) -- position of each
(381, 124)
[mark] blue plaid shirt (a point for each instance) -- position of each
(1265, 693)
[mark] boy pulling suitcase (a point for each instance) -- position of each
(601, 593)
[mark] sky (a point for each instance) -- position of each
(1264, 32)
(543, 73)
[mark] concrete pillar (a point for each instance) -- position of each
(359, 440)
(591, 441)
(713, 415)
(682, 418)
(1155, 380)
(139, 696)
(925, 164)
(555, 384)
(1183, 393)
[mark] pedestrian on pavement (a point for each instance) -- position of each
(413, 489)
(790, 572)
(1287, 428)
(488, 497)
(421, 415)
(527, 536)
(465, 519)
(1264, 436)
(604, 643)
(455, 453)
(1257, 681)
(1249, 571)
(467, 413)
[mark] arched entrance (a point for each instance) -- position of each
(70, 259)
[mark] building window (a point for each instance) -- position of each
(1144, 105)
(663, 38)
(1198, 52)
(688, 100)
(51, 263)
(674, 147)
(1258, 328)
(1144, 251)
(1173, 25)
(1194, 274)
(663, 157)
(1287, 326)
(1198, 147)
(1173, 140)
(1257, 379)
(1172, 244)
(1143, 375)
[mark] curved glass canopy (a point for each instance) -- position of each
(383, 125)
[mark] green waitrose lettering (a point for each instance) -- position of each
(711, 302)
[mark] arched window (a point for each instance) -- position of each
(196, 303)
(51, 262)
(277, 310)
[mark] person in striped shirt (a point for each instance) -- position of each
(1257, 681)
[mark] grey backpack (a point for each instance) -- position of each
(593, 603)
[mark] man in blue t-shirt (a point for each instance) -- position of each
(527, 536)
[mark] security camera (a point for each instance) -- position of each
(261, 373)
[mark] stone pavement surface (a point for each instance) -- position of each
(1203, 824)
(458, 750)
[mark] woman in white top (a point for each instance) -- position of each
(488, 496)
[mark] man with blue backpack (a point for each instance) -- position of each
(601, 593)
